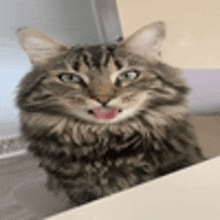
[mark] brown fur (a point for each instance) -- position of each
(90, 158)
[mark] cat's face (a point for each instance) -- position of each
(105, 90)
(103, 84)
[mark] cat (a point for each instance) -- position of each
(104, 118)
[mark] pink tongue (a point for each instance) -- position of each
(105, 113)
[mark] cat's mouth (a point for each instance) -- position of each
(105, 113)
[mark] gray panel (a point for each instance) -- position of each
(205, 94)
(108, 19)
(71, 21)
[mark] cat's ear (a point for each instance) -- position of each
(147, 41)
(39, 46)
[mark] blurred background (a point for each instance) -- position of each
(193, 29)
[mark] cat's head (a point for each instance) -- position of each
(103, 84)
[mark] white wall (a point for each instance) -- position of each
(193, 28)
(71, 21)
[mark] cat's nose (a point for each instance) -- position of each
(103, 99)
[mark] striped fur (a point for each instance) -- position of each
(89, 159)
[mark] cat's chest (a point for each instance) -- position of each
(103, 159)
(113, 169)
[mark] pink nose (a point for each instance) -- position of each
(103, 98)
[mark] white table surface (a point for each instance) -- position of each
(190, 194)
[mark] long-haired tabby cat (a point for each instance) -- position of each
(103, 118)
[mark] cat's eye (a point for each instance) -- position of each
(128, 75)
(70, 78)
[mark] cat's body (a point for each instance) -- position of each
(104, 118)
